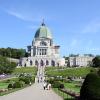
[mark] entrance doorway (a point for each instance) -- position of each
(53, 63)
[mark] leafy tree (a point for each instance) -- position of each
(73, 55)
(12, 52)
(96, 61)
(6, 66)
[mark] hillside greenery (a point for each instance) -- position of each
(6, 66)
(13, 52)
(65, 72)
(30, 70)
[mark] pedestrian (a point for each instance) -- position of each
(49, 86)
(30, 83)
(38, 80)
(44, 85)
(41, 79)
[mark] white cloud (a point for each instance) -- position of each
(16, 14)
(92, 27)
(26, 16)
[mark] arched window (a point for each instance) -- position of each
(47, 62)
(36, 63)
(53, 63)
(43, 43)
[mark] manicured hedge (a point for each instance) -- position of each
(91, 87)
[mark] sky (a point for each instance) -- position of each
(75, 24)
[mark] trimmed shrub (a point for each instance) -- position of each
(56, 84)
(61, 86)
(22, 83)
(90, 89)
(50, 81)
(33, 79)
(17, 84)
(10, 86)
(26, 78)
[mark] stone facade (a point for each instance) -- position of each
(43, 52)
(80, 61)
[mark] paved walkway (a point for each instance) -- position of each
(34, 92)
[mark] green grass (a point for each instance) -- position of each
(72, 86)
(32, 70)
(3, 85)
(68, 71)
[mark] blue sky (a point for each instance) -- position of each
(75, 24)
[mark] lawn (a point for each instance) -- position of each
(31, 70)
(68, 71)
(3, 85)
(72, 86)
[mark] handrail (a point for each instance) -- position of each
(71, 93)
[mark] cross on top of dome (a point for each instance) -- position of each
(43, 24)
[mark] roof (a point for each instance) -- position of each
(43, 32)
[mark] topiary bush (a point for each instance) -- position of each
(26, 78)
(90, 89)
(56, 84)
(61, 86)
(10, 86)
(17, 84)
(33, 79)
(51, 81)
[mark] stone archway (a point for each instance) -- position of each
(31, 63)
(52, 63)
(25, 65)
(47, 62)
(41, 63)
(36, 63)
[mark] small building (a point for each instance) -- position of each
(79, 61)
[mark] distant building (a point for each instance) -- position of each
(43, 52)
(80, 61)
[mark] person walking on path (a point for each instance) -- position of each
(44, 85)
(49, 86)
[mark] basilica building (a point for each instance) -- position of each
(43, 51)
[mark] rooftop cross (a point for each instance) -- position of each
(43, 23)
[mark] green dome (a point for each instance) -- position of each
(43, 32)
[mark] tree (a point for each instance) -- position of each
(12, 52)
(96, 61)
(90, 89)
(6, 66)
(73, 55)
